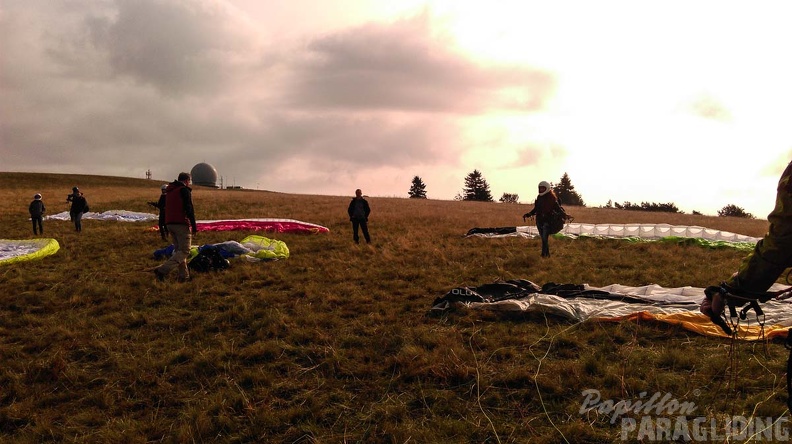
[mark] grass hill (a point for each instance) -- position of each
(334, 344)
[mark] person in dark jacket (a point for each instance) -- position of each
(79, 206)
(37, 211)
(160, 205)
(179, 218)
(358, 213)
(545, 205)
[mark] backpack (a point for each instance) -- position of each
(557, 219)
(208, 259)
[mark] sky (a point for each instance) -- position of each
(637, 101)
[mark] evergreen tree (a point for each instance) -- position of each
(566, 192)
(476, 188)
(418, 189)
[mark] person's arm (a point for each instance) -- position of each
(186, 196)
(367, 208)
(351, 207)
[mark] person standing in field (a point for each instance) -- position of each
(545, 205)
(160, 205)
(179, 218)
(762, 267)
(37, 211)
(79, 206)
(358, 213)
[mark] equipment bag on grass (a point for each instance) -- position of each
(209, 259)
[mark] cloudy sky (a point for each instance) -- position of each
(657, 101)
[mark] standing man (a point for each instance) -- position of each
(37, 211)
(358, 213)
(179, 217)
(79, 205)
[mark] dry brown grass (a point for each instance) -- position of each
(334, 344)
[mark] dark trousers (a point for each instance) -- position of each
(544, 229)
(163, 231)
(37, 223)
(364, 227)
(77, 219)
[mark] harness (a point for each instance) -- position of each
(737, 298)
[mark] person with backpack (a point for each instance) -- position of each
(548, 212)
(358, 213)
(179, 218)
(160, 206)
(79, 206)
(37, 211)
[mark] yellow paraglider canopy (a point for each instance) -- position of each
(12, 251)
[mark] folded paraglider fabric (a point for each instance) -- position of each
(12, 251)
(582, 302)
(706, 237)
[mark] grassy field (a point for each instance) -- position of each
(336, 344)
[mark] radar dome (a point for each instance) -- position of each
(204, 174)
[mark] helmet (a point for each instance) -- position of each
(546, 187)
(37, 196)
(164, 186)
(75, 189)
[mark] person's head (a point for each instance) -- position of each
(184, 177)
(544, 188)
(358, 193)
(37, 197)
(164, 187)
(75, 190)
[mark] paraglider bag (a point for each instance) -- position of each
(208, 259)
(557, 220)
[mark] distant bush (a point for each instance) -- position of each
(669, 207)
(734, 211)
(509, 198)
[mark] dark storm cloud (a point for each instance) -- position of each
(177, 47)
(120, 87)
(401, 66)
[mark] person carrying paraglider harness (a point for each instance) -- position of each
(550, 216)
(758, 272)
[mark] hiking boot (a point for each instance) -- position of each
(159, 275)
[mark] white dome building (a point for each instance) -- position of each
(204, 175)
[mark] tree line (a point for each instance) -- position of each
(476, 188)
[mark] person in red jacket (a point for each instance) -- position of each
(545, 205)
(179, 218)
